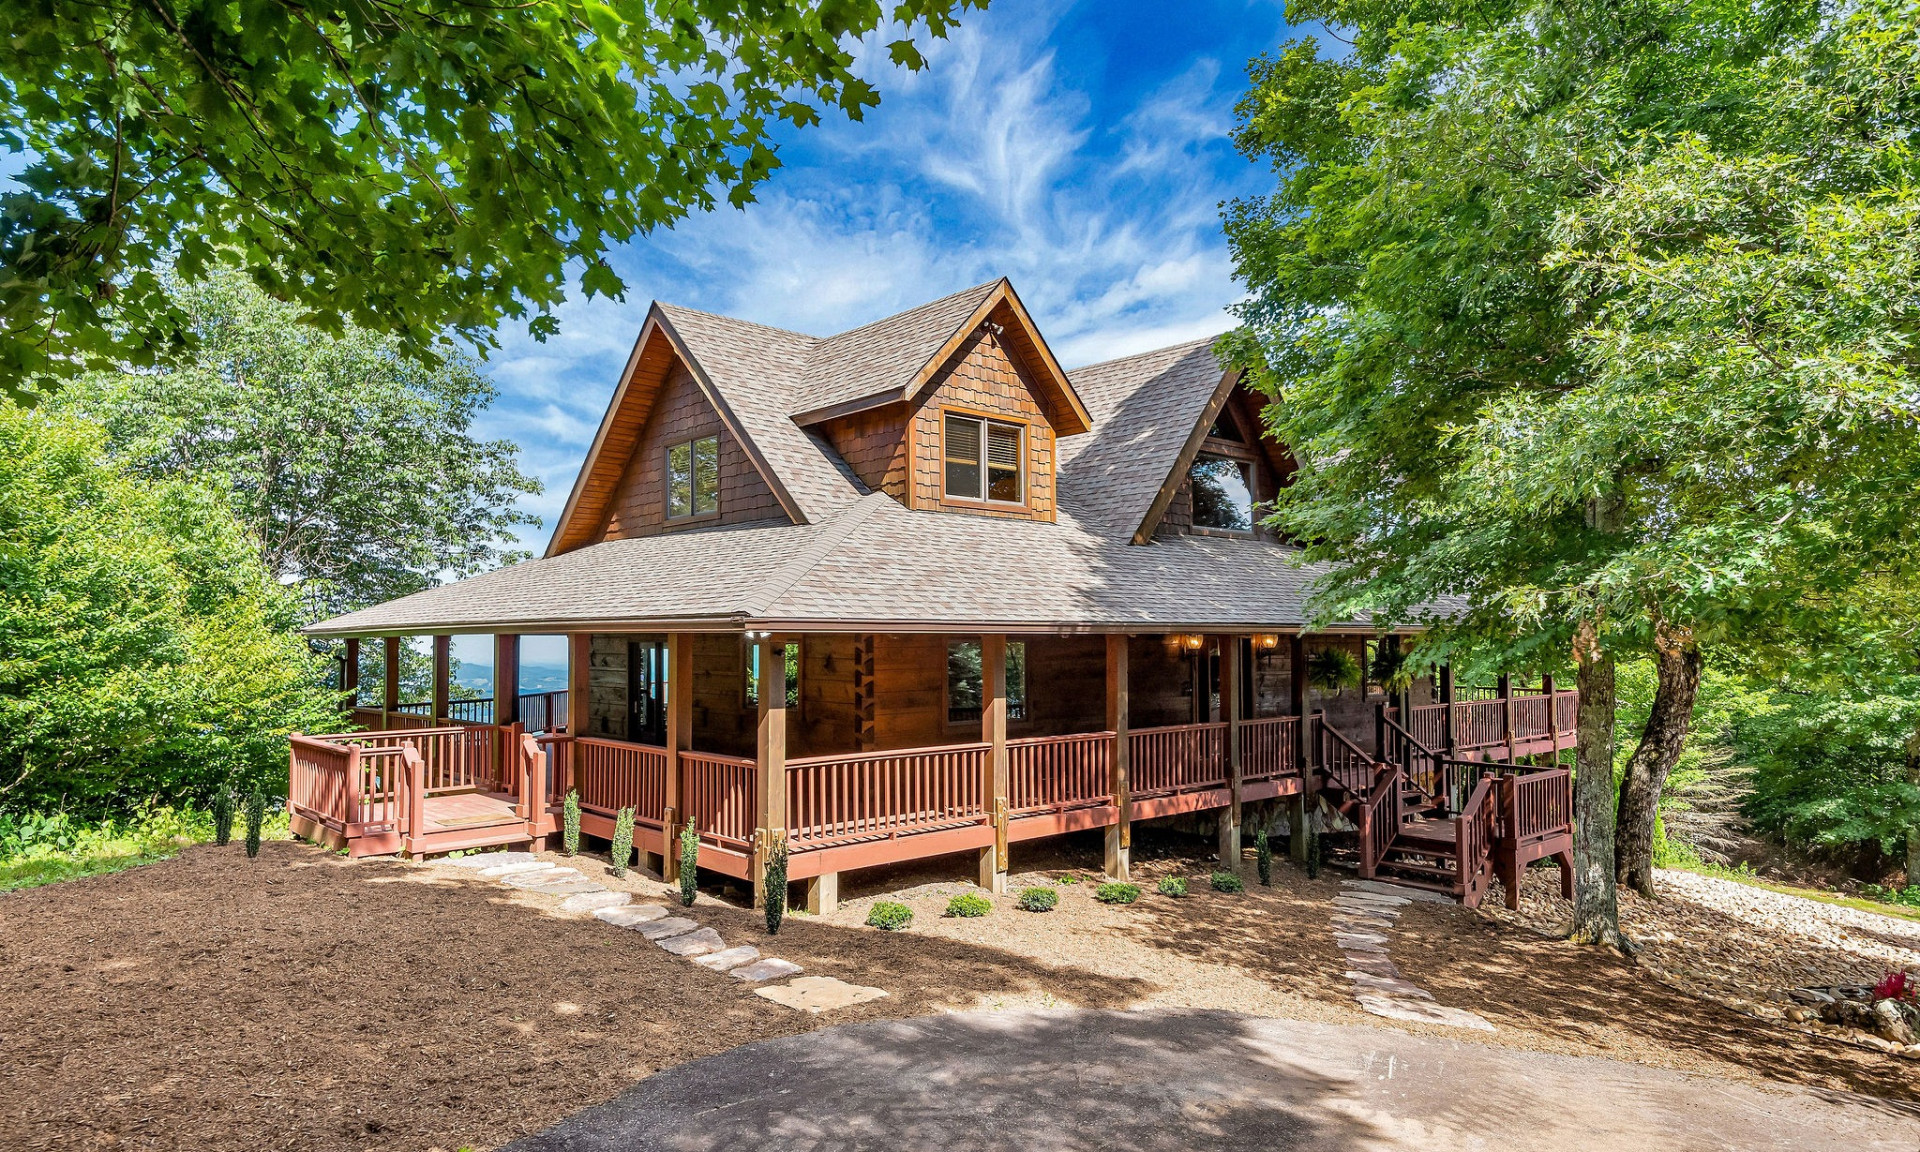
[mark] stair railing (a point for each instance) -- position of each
(1420, 763)
(1379, 816)
(1342, 761)
(1474, 831)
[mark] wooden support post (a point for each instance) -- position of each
(823, 893)
(1553, 716)
(1446, 715)
(442, 672)
(1506, 711)
(579, 682)
(994, 779)
(679, 740)
(390, 686)
(1232, 669)
(1302, 747)
(506, 678)
(350, 672)
(1120, 835)
(772, 760)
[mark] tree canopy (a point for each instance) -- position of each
(412, 167)
(354, 466)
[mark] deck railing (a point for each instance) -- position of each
(1178, 758)
(539, 711)
(871, 795)
(343, 785)
(1269, 748)
(1345, 762)
(1541, 804)
(1474, 832)
(1482, 723)
(1417, 759)
(456, 759)
(613, 774)
(1378, 816)
(719, 795)
(1056, 773)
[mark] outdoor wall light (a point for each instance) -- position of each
(1193, 641)
(1266, 641)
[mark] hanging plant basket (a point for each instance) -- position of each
(1332, 669)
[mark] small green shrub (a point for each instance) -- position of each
(1172, 886)
(1226, 882)
(622, 850)
(256, 815)
(968, 905)
(1117, 893)
(223, 817)
(570, 823)
(889, 916)
(689, 863)
(1263, 857)
(776, 887)
(1039, 899)
(1069, 878)
(1313, 854)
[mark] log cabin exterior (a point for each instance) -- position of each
(915, 589)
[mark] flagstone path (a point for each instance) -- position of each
(1362, 913)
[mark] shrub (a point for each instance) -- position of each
(1313, 854)
(256, 815)
(1069, 878)
(689, 863)
(1039, 899)
(1263, 857)
(1117, 893)
(776, 887)
(223, 817)
(1226, 882)
(968, 905)
(1172, 886)
(889, 916)
(570, 823)
(622, 849)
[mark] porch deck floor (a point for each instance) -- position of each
(469, 810)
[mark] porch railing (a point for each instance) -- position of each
(1269, 748)
(613, 774)
(842, 799)
(539, 711)
(1541, 804)
(467, 757)
(1340, 759)
(719, 795)
(1179, 758)
(1056, 773)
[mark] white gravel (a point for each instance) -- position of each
(1889, 939)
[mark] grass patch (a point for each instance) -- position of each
(1751, 879)
(46, 849)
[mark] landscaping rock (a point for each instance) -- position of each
(563, 887)
(1354, 887)
(1378, 905)
(819, 994)
(696, 943)
(545, 874)
(515, 867)
(729, 958)
(594, 901)
(480, 860)
(772, 968)
(671, 926)
(1890, 1024)
(632, 915)
(1388, 986)
(1372, 963)
(1351, 939)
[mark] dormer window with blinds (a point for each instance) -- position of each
(983, 460)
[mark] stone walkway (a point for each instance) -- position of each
(1361, 915)
(677, 934)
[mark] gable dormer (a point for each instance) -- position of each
(1229, 469)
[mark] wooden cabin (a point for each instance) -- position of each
(912, 590)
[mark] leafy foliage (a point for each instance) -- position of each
(223, 817)
(620, 852)
(1115, 892)
(570, 823)
(1331, 669)
(1263, 857)
(148, 657)
(44, 848)
(889, 916)
(256, 815)
(412, 168)
(1171, 886)
(1828, 768)
(1038, 899)
(968, 905)
(776, 886)
(689, 863)
(1226, 882)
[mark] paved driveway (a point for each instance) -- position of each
(1074, 1080)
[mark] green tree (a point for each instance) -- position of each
(1444, 349)
(411, 167)
(354, 465)
(147, 656)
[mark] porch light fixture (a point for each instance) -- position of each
(1266, 641)
(1192, 641)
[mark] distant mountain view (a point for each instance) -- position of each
(474, 679)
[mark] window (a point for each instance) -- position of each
(1222, 493)
(965, 689)
(693, 478)
(1225, 429)
(974, 474)
(793, 675)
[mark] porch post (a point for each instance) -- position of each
(1553, 716)
(993, 783)
(679, 739)
(1506, 710)
(579, 682)
(772, 760)
(506, 679)
(350, 672)
(442, 671)
(1446, 715)
(1232, 668)
(1120, 835)
(390, 688)
(1302, 748)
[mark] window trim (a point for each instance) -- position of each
(984, 419)
(1250, 476)
(666, 481)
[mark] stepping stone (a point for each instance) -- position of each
(1352, 923)
(671, 926)
(631, 915)
(1348, 939)
(1386, 984)
(1421, 1012)
(1374, 964)
(594, 901)
(819, 994)
(480, 860)
(730, 958)
(1376, 907)
(1356, 949)
(696, 943)
(564, 887)
(546, 875)
(1355, 887)
(515, 868)
(772, 968)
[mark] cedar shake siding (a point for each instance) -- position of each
(874, 445)
(681, 413)
(984, 379)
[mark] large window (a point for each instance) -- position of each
(982, 459)
(693, 478)
(1222, 493)
(965, 691)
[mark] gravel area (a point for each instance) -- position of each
(1888, 941)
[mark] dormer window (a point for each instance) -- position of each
(693, 478)
(1222, 493)
(983, 459)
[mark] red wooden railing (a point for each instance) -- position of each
(1541, 804)
(1419, 761)
(1269, 748)
(1566, 712)
(1479, 724)
(869, 795)
(719, 795)
(1340, 759)
(1378, 817)
(1428, 724)
(1179, 758)
(1055, 773)
(1474, 831)
(467, 756)
(613, 774)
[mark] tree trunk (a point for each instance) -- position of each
(1677, 659)
(1596, 905)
